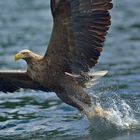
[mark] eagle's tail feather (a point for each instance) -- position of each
(94, 77)
(87, 79)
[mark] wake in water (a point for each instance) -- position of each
(112, 113)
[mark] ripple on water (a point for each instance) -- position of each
(35, 115)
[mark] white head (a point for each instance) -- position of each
(25, 54)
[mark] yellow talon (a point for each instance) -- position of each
(100, 112)
(96, 112)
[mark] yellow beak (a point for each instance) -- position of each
(19, 56)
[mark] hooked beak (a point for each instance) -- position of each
(19, 56)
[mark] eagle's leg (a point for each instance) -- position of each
(81, 101)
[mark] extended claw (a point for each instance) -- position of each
(100, 112)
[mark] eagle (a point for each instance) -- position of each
(76, 42)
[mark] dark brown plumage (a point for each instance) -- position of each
(79, 31)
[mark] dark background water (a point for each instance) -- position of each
(27, 24)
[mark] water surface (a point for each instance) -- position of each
(37, 115)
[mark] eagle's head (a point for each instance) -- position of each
(26, 55)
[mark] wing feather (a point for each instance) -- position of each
(11, 81)
(79, 31)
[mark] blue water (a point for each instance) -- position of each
(37, 115)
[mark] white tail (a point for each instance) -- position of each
(94, 77)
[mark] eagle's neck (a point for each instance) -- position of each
(34, 67)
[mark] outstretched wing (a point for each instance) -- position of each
(79, 31)
(11, 81)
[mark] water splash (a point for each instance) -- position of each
(112, 113)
